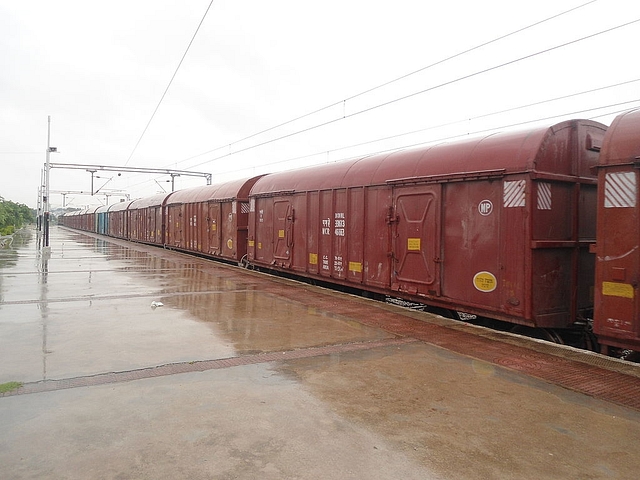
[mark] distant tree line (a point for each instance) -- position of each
(13, 216)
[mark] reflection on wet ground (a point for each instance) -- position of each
(9, 253)
(9, 250)
(297, 383)
(247, 319)
(87, 309)
(469, 419)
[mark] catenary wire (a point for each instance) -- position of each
(476, 132)
(486, 115)
(443, 139)
(519, 124)
(402, 77)
(453, 137)
(405, 97)
(434, 127)
(169, 85)
(503, 127)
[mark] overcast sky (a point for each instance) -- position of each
(100, 69)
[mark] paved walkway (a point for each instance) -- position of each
(236, 377)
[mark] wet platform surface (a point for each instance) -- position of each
(239, 375)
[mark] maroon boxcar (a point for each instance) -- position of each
(87, 219)
(211, 220)
(147, 219)
(100, 219)
(617, 308)
(72, 219)
(118, 223)
(498, 226)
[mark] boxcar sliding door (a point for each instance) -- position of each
(416, 240)
(213, 222)
(282, 230)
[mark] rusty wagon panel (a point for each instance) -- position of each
(210, 220)
(617, 311)
(496, 226)
(117, 224)
(147, 219)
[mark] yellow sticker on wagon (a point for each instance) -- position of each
(313, 259)
(485, 281)
(280, 233)
(613, 289)
(413, 244)
(355, 267)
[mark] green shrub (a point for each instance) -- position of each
(13, 216)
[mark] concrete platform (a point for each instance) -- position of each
(241, 376)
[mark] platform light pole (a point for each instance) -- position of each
(40, 206)
(45, 200)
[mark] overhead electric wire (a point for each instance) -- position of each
(412, 94)
(20, 153)
(519, 124)
(471, 50)
(402, 77)
(444, 139)
(450, 123)
(434, 127)
(169, 85)
(450, 82)
(503, 127)
(495, 67)
(492, 114)
(616, 112)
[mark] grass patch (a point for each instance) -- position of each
(7, 387)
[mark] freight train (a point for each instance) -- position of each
(539, 229)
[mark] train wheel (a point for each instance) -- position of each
(581, 336)
(591, 342)
(547, 334)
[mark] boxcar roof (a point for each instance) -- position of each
(621, 143)
(120, 206)
(70, 214)
(509, 152)
(152, 201)
(235, 189)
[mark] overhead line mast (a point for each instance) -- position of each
(111, 168)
